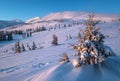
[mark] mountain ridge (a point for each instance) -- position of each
(65, 15)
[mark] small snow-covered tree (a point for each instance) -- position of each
(69, 37)
(17, 47)
(34, 46)
(10, 36)
(23, 47)
(54, 40)
(79, 36)
(29, 48)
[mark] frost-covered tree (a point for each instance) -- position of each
(34, 46)
(23, 47)
(54, 40)
(65, 25)
(17, 47)
(69, 36)
(29, 48)
(79, 36)
(91, 48)
(5, 35)
(43, 28)
(9, 34)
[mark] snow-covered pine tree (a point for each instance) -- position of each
(1, 35)
(23, 47)
(69, 36)
(34, 46)
(43, 28)
(91, 48)
(10, 36)
(28, 47)
(64, 26)
(79, 36)
(17, 47)
(54, 40)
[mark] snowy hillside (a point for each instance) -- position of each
(42, 63)
(66, 72)
(79, 16)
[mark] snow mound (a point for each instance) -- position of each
(104, 71)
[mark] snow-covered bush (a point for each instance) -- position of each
(64, 58)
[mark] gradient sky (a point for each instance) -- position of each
(25, 9)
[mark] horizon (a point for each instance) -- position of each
(25, 9)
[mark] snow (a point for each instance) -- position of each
(63, 18)
(33, 20)
(66, 72)
(42, 64)
(79, 16)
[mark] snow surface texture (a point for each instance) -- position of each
(66, 72)
(42, 64)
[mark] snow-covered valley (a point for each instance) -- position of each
(42, 64)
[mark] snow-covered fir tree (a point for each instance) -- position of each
(91, 48)
(10, 36)
(17, 47)
(6, 36)
(29, 48)
(23, 47)
(54, 40)
(34, 46)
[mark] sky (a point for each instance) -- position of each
(26, 9)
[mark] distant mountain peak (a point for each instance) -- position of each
(17, 20)
(33, 20)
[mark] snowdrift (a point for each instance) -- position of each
(109, 70)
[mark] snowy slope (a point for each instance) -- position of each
(80, 16)
(66, 72)
(42, 64)
(102, 72)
